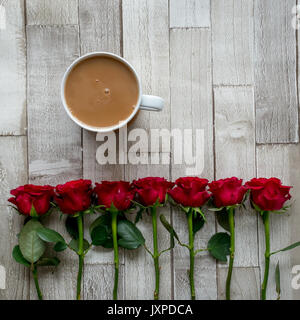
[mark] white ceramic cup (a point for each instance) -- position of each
(145, 102)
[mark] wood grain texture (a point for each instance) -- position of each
(13, 172)
(281, 161)
(189, 13)
(275, 72)
(51, 12)
(13, 68)
(235, 156)
(146, 47)
(139, 267)
(54, 148)
(232, 42)
(190, 76)
(245, 283)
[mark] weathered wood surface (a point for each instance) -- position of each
(51, 12)
(275, 72)
(227, 67)
(232, 42)
(189, 13)
(13, 68)
(191, 76)
(54, 148)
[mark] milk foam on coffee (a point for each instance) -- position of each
(101, 91)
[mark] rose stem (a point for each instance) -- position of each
(266, 219)
(80, 253)
(192, 253)
(232, 250)
(116, 253)
(36, 282)
(155, 252)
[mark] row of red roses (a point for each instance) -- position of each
(76, 196)
(190, 193)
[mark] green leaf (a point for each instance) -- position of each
(139, 215)
(219, 246)
(44, 262)
(198, 221)
(277, 280)
(17, 255)
(222, 218)
(72, 227)
(100, 231)
(130, 237)
(100, 235)
(74, 245)
(257, 208)
(216, 209)
(31, 245)
(60, 246)
(168, 227)
(292, 246)
(49, 235)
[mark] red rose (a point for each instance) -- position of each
(151, 189)
(74, 196)
(30, 195)
(227, 192)
(190, 192)
(268, 194)
(119, 193)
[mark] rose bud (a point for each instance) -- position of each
(74, 196)
(227, 192)
(268, 194)
(190, 192)
(118, 193)
(152, 189)
(32, 200)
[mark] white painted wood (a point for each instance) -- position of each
(139, 267)
(13, 172)
(245, 283)
(281, 161)
(275, 72)
(51, 12)
(146, 47)
(13, 68)
(54, 148)
(100, 30)
(235, 156)
(189, 13)
(190, 76)
(232, 41)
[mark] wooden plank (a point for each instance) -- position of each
(139, 269)
(245, 284)
(146, 47)
(13, 68)
(191, 77)
(281, 161)
(54, 141)
(100, 30)
(232, 42)
(189, 13)
(275, 72)
(235, 156)
(13, 172)
(51, 12)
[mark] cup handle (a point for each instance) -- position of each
(151, 103)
